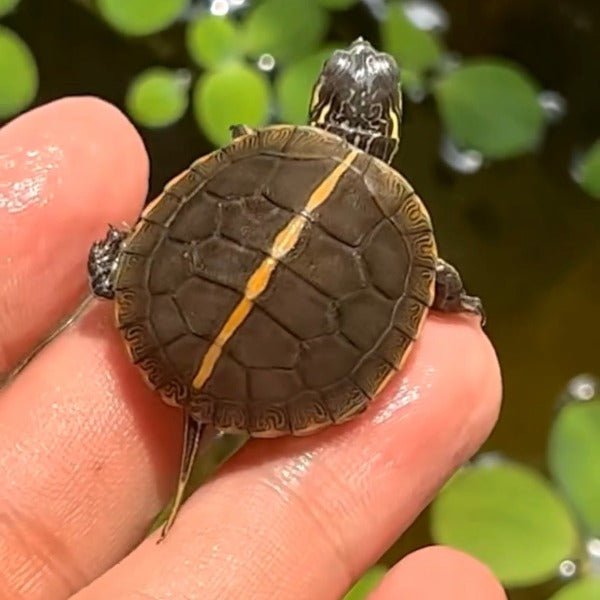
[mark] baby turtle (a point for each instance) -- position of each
(276, 285)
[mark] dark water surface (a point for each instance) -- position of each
(526, 239)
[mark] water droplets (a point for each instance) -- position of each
(582, 388)
(266, 62)
(219, 8)
(427, 15)
(567, 569)
(553, 104)
(460, 160)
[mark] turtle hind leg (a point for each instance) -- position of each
(103, 259)
(450, 294)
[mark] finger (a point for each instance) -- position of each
(66, 170)
(301, 518)
(439, 572)
(88, 458)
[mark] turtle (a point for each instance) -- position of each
(276, 285)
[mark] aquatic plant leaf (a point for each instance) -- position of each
(589, 175)
(582, 589)
(491, 106)
(416, 50)
(287, 30)
(509, 517)
(140, 17)
(18, 74)
(234, 94)
(294, 85)
(7, 6)
(337, 4)
(157, 97)
(366, 584)
(573, 442)
(212, 41)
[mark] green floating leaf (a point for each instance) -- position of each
(232, 95)
(157, 97)
(507, 516)
(294, 86)
(366, 584)
(287, 30)
(583, 589)
(337, 4)
(416, 51)
(140, 17)
(590, 171)
(18, 74)
(574, 440)
(7, 6)
(491, 106)
(212, 41)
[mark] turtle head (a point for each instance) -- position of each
(357, 96)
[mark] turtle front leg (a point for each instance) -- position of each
(240, 130)
(103, 260)
(450, 294)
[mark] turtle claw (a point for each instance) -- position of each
(450, 294)
(102, 263)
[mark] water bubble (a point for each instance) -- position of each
(553, 104)
(219, 8)
(426, 14)
(567, 569)
(461, 161)
(489, 459)
(266, 62)
(583, 387)
(593, 550)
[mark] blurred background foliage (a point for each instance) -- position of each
(501, 138)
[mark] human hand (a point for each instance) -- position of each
(89, 454)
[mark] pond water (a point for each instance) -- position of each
(526, 238)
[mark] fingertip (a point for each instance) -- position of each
(75, 151)
(67, 169)
(439, 572)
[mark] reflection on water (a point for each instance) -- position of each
(427, 15)
(461, 161)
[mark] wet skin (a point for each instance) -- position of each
(89, 454)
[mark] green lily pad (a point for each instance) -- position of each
(583, 589)
(212, 41)
(7, 6)
(337, 4)
(589, 175)
(366, 584)
(287, 30)
(491, 106)
(293, 86)
(17, 66)
(574, 440)
(234, 94)
(507, 516)
(416, 51)
(157, 97)
(140, 17)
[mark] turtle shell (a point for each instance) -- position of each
(276, 285)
